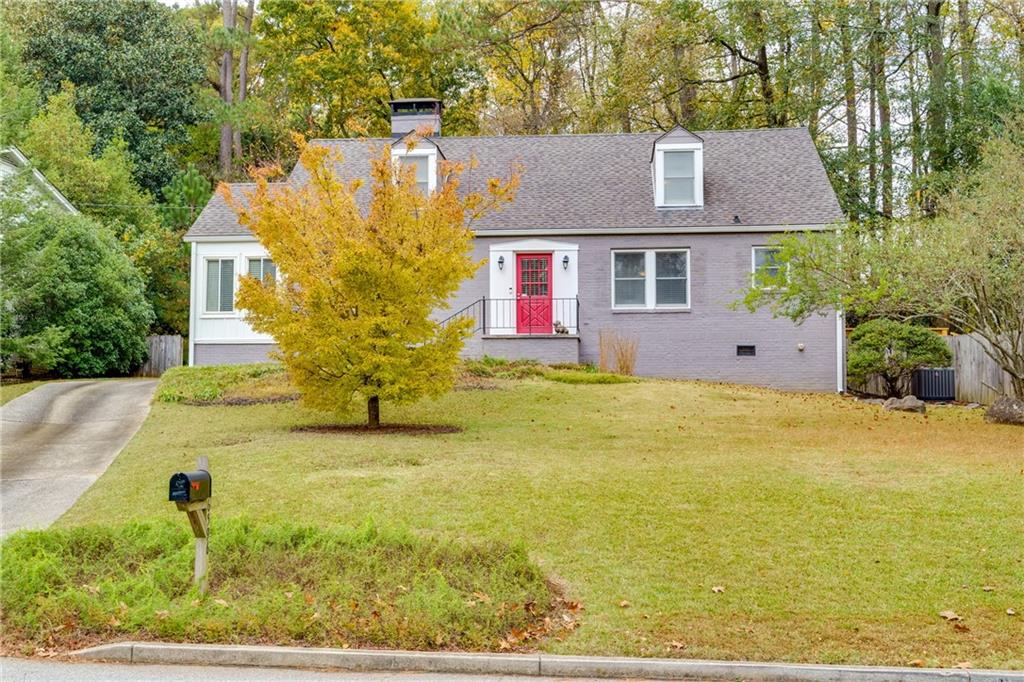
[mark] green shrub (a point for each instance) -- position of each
(893, 350)
(72, 302)
(566, 376)
(274, 584)
(209, 384)
(500, 368)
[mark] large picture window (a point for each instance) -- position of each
(657, 278)
(220, 285)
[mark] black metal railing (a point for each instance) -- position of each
(521, 316)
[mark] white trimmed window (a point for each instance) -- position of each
(679, 175)
(765, 265)
(220, 285)
(262, 269)
(650, 279)
(423, 163)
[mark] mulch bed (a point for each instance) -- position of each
(383, 429)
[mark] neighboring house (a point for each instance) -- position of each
(13, 162)
(649, 235)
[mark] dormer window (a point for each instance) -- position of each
(678, 170)
(423, 161)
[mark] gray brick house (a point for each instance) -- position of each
(648, 235)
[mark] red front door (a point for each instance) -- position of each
(533, 293)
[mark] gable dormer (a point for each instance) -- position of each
(422, 156)
(678, 170)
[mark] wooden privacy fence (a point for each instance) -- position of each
(164, 353)
(978, 378)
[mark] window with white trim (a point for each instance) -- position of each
(679, 175)
(423, 163)
(765, 265)
(650, 279)
(262, 269)
(220, 285)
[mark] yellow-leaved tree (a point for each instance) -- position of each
(351, 308)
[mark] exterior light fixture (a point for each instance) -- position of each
(565, 262)
(736, 219)
(501, 262)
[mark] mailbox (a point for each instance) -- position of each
(190, 486)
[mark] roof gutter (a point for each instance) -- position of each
(678, 229)
(580, 232)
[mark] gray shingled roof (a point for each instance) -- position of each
(767, 177)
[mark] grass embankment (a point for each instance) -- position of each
(9, 390)
(267, 583)
(838, 531)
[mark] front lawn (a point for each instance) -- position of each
(688, 519)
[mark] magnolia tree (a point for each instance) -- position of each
(351, 310)
(966, 265)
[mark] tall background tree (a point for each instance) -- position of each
(135, 65)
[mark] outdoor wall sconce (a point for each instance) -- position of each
(501, 262)
(565, 262)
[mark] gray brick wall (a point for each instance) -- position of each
(547, 349)
(700, 343)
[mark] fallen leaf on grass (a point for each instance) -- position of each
(1011, 612)
(220, 602)
(91, 589)
(963, 665)
(113, 622)
(480, 596)
(960, 627)
(988, 588)
(624, 604)
(917, 663)
(949, 615)
(718, 589)
(676, 645)
(289, 595)
(162, 615)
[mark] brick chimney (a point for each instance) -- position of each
(412, 114)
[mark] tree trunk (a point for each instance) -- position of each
(936, 111)
(764, 73)
(874, 59)
(884, 121)
(850, 93)
(373, 412)
(243, 73)
(226, 87)
(817, 72)
(966, 44)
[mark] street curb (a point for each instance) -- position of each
(521, 664)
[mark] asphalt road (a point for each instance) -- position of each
(57, 439)
(33, 670)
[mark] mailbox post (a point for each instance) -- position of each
(191, 491)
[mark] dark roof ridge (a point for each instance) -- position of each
(546, 135)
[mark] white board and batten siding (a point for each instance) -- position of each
(210, 328)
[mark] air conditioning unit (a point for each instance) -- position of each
(934, 383)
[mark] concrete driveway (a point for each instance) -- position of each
(57, 439)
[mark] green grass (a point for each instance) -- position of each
(279, 583)
(838, 531)
(210, 384)
(9, 390)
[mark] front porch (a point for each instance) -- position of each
(525, 328)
